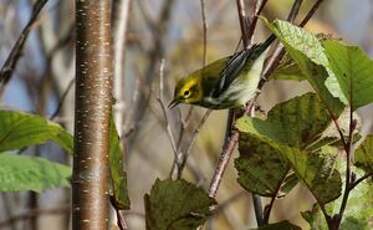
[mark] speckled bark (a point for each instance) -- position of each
(92, 108)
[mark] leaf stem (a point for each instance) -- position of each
(358, 181)
(348, 150)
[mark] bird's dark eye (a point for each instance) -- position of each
(186, 93)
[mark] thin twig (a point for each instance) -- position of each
(223, 162)
(261, 7)
(243, 23)
(10, 64)
(348, 150)
(185, 156)
(294, 11)
(156, 52)
(279, 53)
(361, 179)
(62, 99)
(311, 13)
(120, 37)
(160, 100)
(122, 224)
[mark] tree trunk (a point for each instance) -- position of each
(92, 110)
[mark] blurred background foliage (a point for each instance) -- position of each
(169, 29)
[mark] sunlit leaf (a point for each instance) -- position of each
(288, 69)
(18, 130)
(353, 71)
(364, 155)
(24, 173)
(176, 205)
(307, 51)
(290, 126)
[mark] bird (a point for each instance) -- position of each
(226, 83)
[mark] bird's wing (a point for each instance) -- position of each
(237, 62)
(231, 71)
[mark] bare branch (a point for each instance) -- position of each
(163, 105)
(120, 37)
(62, 99)
(229, 146)
(361, 179)
(243, 18)
(185, 156)
(156, 52)
(16, 52)
(311, 13)
(122, 224)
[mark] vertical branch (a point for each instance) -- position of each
(348, 150)
(159, 30)
(120, 31)
(92, 110)
(243, 18)
(120, 18)
(231, 137)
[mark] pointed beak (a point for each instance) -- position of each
(173, 103)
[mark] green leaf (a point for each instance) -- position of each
(18, 130)
(307, 51)
(283, 225)
(353, 71)
(288, 69)
(289, 183)
(364, 154)
(306, 114)
(358, 213)
(289, 128)
(315, 218)
(24, 173)
(297, 122)
(261, 169)
(176, 205)
(118, 175)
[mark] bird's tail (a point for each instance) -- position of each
(257, 49)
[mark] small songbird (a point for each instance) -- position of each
(226, 83)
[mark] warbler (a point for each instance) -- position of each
(226, 83)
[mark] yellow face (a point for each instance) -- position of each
(187, 90)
